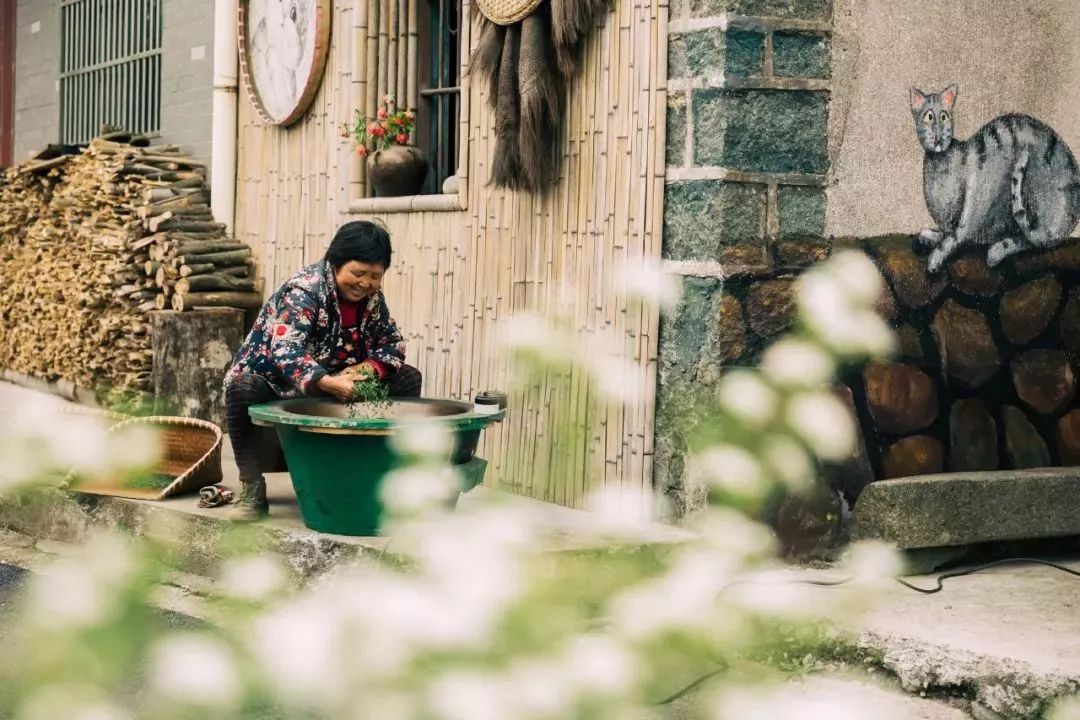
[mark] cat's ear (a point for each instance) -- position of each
(918, 97)
(948, 96)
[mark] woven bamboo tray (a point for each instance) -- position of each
(190, 455)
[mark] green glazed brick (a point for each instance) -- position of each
(801, 210)
(804, 55)
(782, 131)
(702, 217)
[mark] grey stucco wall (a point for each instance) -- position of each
(37, 72)
(1006, 55)
(186, 76)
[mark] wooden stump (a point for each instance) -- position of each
(192, 352)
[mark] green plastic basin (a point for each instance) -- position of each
(338, 463)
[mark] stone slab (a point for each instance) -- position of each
(1007, 637)
(966, 508)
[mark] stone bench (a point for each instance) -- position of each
(966, 508)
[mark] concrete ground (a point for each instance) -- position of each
(999, 644)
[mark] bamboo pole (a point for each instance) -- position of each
(358, 95)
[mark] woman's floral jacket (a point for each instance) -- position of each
(297, 337)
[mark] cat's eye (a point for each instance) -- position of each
(944, 117)
(928, 117)
(292, 13)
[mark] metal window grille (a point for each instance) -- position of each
(437, 121)
(110, 67)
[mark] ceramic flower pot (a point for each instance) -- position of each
(397, 170)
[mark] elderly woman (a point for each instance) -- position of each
(328, 317)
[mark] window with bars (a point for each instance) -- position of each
(437, 115)
(110, 67)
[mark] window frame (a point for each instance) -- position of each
(430, 202)
(106, 64)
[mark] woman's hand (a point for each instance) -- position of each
(339, 386)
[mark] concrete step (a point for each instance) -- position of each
(971, 507)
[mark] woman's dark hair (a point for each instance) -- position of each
(362, 241)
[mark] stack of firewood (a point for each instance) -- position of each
(91, 241)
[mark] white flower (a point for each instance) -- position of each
(413, 489)
(824, 423)
(729, 468)
(871, 562)
(529, 332)
(254, 578)
(648, 281)
(600, 665)
(858, 274)
(789, 461)
(468, 695)
(835, 310)
(82, 590)
(134, 447)
(622, 508)
(617, 378)
(541, 688)
(747, 397)
(797, 363)
(298, 648)
(194, 670)
(423, 439)
(71, 702)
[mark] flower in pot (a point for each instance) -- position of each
(394, 167)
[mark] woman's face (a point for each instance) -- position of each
(358, 281)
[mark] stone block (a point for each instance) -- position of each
(916, 455)
(972, 437)
(1026, 311)
(797, 54)
(968, 508)
(684, 334)
(1044, 380)
(902, 399)
(785, 9)
(812, 524)
(725, 338)
(707, 53)
(1069, 438)
(906, 272)
(965, 345)
(801, 210)
(700, 216)
(1024, 445)
(761, 130)
(970, 275)
(910, 342)
(770, 306)
(800, 252)
(676, 57)
(676, 130)
(1070, 326)
(745, 53)
(886, 305)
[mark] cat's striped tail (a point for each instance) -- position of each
(1016, 191)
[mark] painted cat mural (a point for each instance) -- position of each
(1012, 186)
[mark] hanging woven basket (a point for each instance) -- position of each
(507, 12)
(190, 460)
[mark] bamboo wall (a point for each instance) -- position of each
(457, 275)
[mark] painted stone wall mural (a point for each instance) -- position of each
(283, 49)
(1013, 186)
